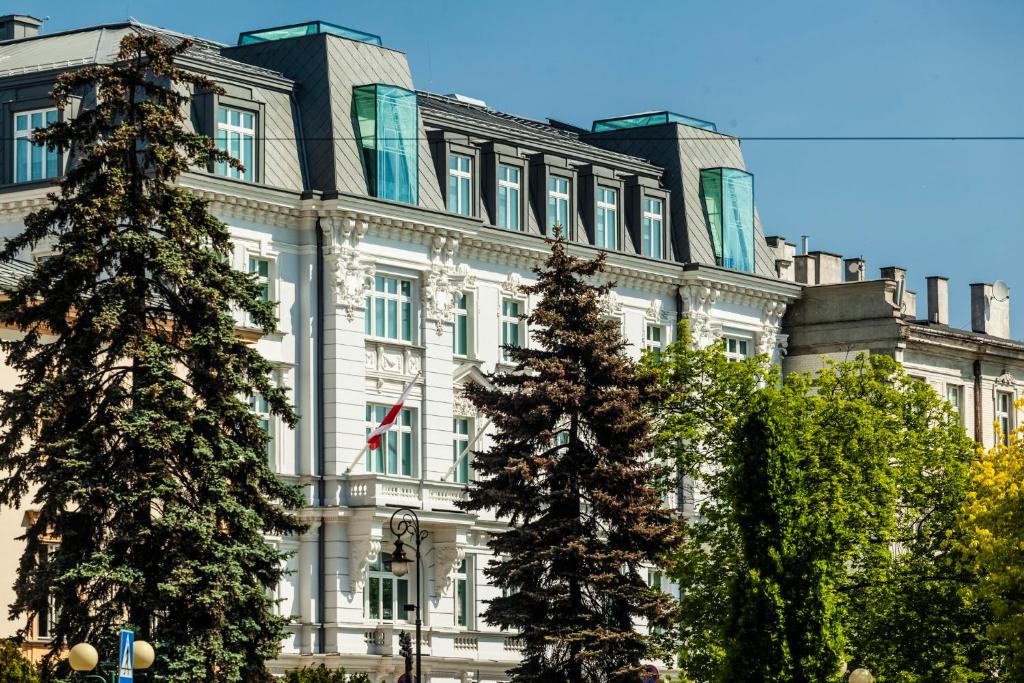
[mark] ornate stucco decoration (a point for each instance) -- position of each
(349, 276)
(656, 313)
(447, 558)
(699, 301)
(771, 320)
(461, 405)
(610, 304)
(513, 284)
(1006, 379)
(442, 282)
(363, 551)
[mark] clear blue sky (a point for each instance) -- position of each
(756, 68)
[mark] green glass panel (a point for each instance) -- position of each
(402, 598)
(21, 122)
(737, 220)
(711, 197)
(392, 444)
(463, 607)
(388, 599)
(374, 597)
(379, 317)
(366, 317)
(392, 285)
(650, 119)
(305, 29)
(407, 321)
(406, 454)
(392, 330)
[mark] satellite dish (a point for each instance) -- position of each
(1000, 290)
(853, 267)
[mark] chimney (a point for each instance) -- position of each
(805, 244)
(783, 252)
(989, 315)
(909, 305)
(803, 270)
(15, 26)
(938, 300)
(828, 267)
(854, 269)
(900, 276)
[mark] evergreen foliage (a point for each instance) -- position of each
(130, 425)
(14, 667)
(570, 469)
(823, 505)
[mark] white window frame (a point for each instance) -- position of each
(464, 315)
(512, 197)
(400, 299)
(460, 442)
(460, 184)
(734, 346)
(27, 134)
(377, 460)
(652, 224)
(1005, 418)
(380, 572)
(270, 281)
(463, 579)
(606, 218)
(261, 409)
(49, 549)
(224, 132)
(508, 322)
(955, 397)
(651, 344)
(556, 195)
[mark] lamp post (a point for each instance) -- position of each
(83, 658)
(405, 522)
(861, 676)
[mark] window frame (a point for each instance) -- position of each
(463, 577)
(958, 406)
(374, 412)
(1005, 418)
(461, 178)
(646, 216)
(509, 186)
(657, 346)
(458, 445)
(557, 196)
(205, 103)
(19, 135)
(380, 571)
(223, 169)
(602, 207)
(506, 322)
(251, 254)
(737, 355)
(45, 623)
(467, 314)
(370, 307)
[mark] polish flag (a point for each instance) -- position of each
(373, 441)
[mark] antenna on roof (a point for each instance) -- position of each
(1000, 290)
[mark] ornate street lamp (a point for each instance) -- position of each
(83, 658)
(405, 522)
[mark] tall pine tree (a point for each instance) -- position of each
(570, 470)
(130, 427)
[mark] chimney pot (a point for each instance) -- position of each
(938, 299)
(988, 314)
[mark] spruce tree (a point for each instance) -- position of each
(570, 470)
(129, 428)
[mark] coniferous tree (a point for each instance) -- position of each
(570, 470)
(130, 426)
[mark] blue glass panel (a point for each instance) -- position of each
(397, 156)
(306, 29)
(728, 198)
(22, 158)
(653, 118)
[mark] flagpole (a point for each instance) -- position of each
(362, 452)
(465, 450)
(386, 424)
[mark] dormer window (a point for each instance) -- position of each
(509, 190)
(607, 222)
(388, 123)
(236, 135)
(32, 161)
(460, 184)
(652, 228)
(728, 198)
(558, 205)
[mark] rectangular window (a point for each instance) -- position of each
(736, 349)
(460, 184)
(508, 197)
(261, 267)
(463, 595)
(460, 333)
(728, 198)
(236, 135)
(558, 205)
(395, 453)
(259, 406)
(386, 595)
(388, 121)
(46, 619)
(1004, 415)
(955, 396)
(460, 442)
(389, 309)
(607, 224)
(32, 161)
(653, 340)
(511, 327)
(655, 579)
(653, 227)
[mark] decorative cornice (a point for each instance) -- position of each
(350, 278)
(447, 558)
(442, 282)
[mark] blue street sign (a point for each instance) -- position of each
(650, 674)
(126, 657)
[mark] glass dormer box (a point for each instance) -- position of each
(651, 118)
(308, 28)
(727, 195)
(387, 122)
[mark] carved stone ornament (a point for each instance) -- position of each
(656, 313)
(447, 558)
(442, 282)
(513, 284)
(350, 278)
(1005, 379)
(363, 551)
(771, 321)
(610, 304)
(699, 301)
(461, 405)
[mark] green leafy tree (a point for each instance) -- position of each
(14, 667)
(570, 469)
(321, 674)
(130, 423)
(821, 508)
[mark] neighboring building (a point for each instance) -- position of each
(980, 372)
(396, 229)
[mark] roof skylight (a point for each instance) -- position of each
(651, 118)
(307, 29)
